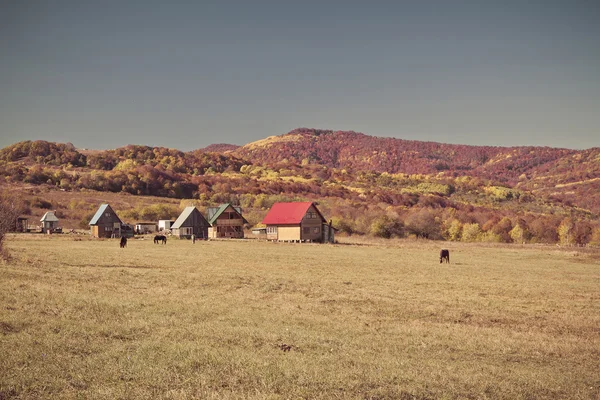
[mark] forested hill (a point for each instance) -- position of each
(364, 182)
(357, 151)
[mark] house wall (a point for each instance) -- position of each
(288, 233)
(312, 225)
(227, 227)
(164, 224)
(49, 225)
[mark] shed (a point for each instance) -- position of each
(49, 222)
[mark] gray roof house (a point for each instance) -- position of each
(190, 222)
(49, 222)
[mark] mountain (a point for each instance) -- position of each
(364, 182)
(339, 149)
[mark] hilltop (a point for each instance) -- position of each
(368, 185)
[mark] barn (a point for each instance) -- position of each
(105, 223)
(297, 222)
(190, 222)
(226, 222)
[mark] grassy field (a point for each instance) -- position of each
(82, 318)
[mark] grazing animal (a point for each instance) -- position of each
(123, 243)
(444, 255)
(160, 238)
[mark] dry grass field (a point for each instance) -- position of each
(82, 318)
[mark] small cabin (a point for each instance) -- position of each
(297, 222)
(49, 222)
(105, 223)
(226, 221)
(190, 222)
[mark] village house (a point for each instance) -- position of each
(105, 223)
(49, 222)
(297, 222)
(226, 221)
(190, 222)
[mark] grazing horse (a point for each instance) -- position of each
(444, 255)
(123, 243)
(160, 238)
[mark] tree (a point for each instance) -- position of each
(386, 227)
(518, 234)
(424, 224)
(10, 208)
(595, 240)
(566, 234)
(471, 232)
(454, 231)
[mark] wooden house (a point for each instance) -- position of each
(297, 222)
(226, 221)
(190, 222)
(105, 223)
(49, 222)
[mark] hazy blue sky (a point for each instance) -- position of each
(185, 74)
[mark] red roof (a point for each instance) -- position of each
(287, 213)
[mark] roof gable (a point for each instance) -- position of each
(215, 214)
(103, 208)
(49, 217)
(288, 213)
(183, 217)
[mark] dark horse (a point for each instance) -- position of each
(160, 238)
(123, 243)
(444, 255)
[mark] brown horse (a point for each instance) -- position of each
(444, 256)
(123, 243)
(160, 238)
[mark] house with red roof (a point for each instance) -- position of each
(297, 222)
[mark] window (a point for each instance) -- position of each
(107, 215)
(271, 229)
(107, 229)
(316, 229)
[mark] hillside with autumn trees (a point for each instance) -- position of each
(368, 185)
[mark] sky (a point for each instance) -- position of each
(186, 74)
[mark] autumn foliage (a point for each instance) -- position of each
(367, 185)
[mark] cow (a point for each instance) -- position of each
(123, 243)
(444, 255)
(160, 238)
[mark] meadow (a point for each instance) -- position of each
(82, 318)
